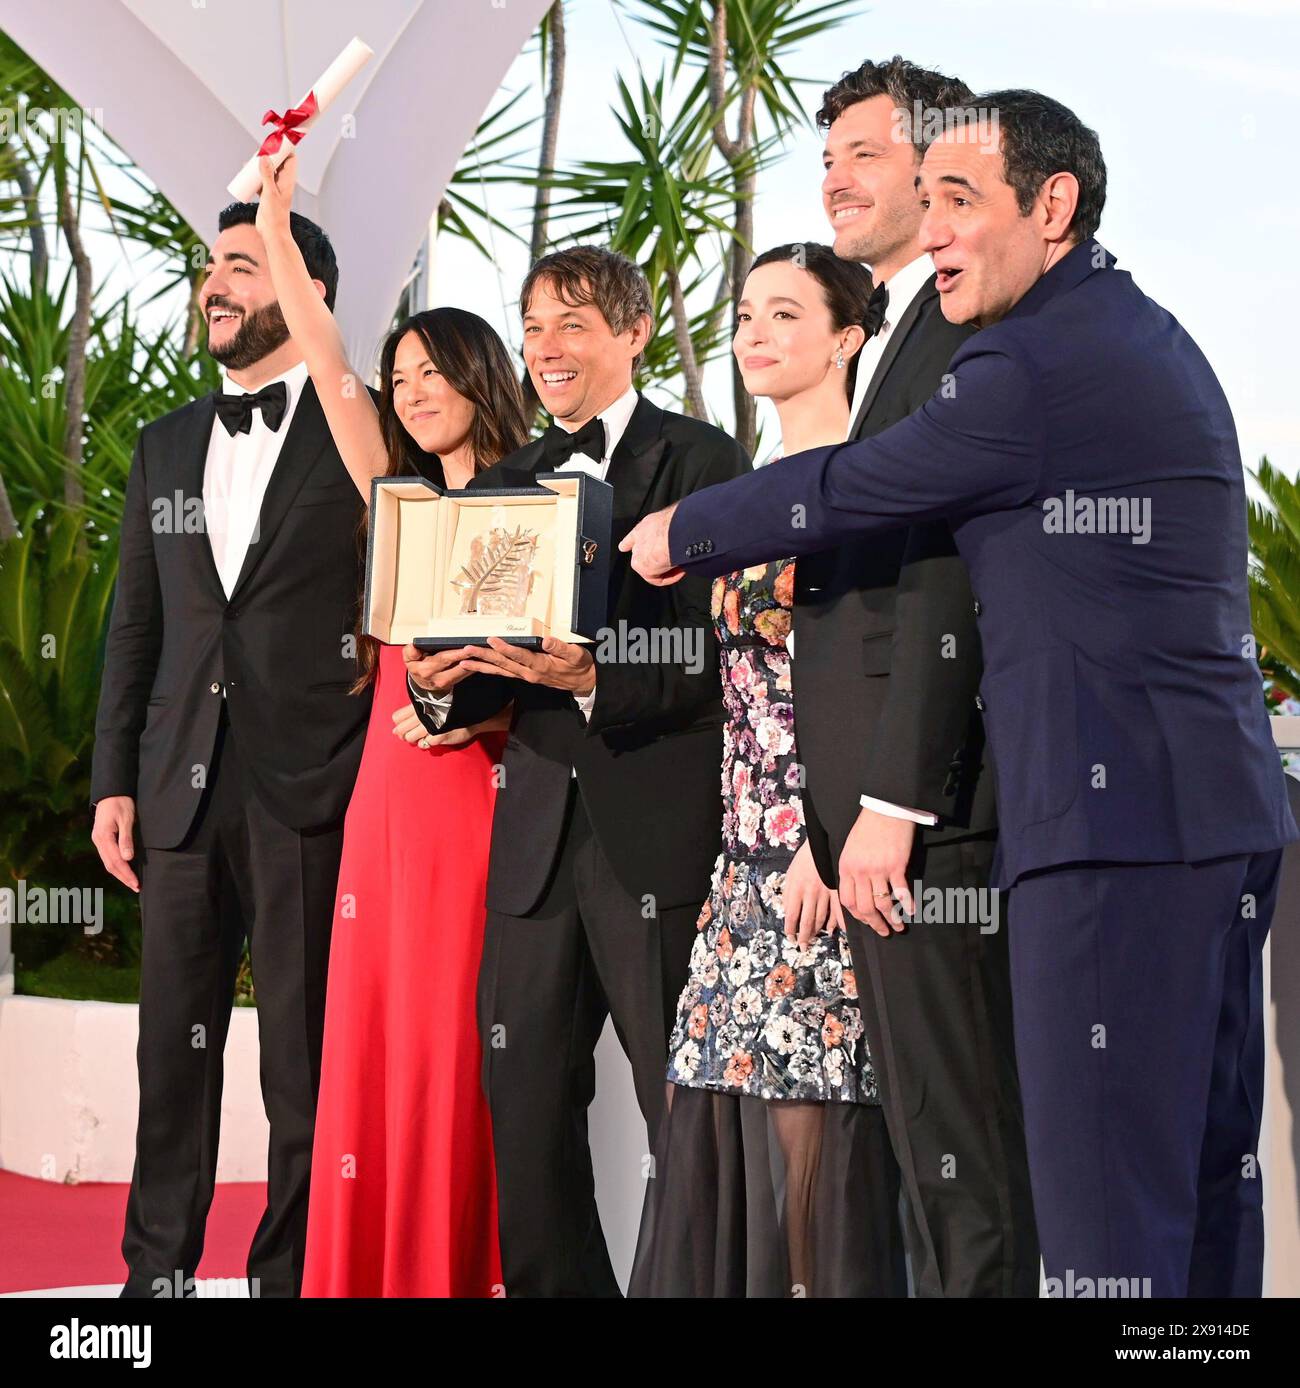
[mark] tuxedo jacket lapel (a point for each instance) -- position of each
(632, 469)
(896, 339)
(306, 441)
(635, 463)
(190, 467)
(527, 463)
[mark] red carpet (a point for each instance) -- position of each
(70, 1236)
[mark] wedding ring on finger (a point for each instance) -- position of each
(425, 742)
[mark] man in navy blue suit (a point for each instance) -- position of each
(1086, 457)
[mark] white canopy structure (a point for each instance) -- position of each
(182, 85)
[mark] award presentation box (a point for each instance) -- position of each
(451, 568)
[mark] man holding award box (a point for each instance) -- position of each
(607, 817)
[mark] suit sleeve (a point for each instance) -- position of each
(977, 445)
(471, 701)
(630, 693)
(934, 671)
(132, 648)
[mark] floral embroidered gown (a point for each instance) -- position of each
(766, 1176)
(759, 1015)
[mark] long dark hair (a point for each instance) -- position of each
(477, 365)
(845, 284)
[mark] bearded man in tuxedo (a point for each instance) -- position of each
(897, 776)
(226, 746)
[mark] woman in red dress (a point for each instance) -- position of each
(403, 1192)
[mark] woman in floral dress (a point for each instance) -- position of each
(763, 1176)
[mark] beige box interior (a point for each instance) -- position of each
(421, 540)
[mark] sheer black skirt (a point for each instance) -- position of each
(751, 1197)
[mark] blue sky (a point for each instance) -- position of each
(1193, 101)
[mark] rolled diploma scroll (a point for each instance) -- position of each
(332, 81)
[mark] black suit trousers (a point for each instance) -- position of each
(238, 872)
(937, 1013)
(547, 983)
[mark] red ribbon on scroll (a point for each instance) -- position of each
(286, 126)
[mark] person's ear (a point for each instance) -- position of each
(1058, 199)
(320, 288)
(851, 340)
(640, 334)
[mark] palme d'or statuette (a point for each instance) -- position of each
(499, 577)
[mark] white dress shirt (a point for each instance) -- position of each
(904, 285)
(235, 477)
(236, 474)
(615, 419)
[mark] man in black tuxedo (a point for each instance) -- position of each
(608, 817)
(226, 746)
(884, 685)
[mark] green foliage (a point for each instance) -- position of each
(73, 974)
(54, 603)
(759, 35)
(131, 378)
(1275, 576)
(489, 156)
(656, 204)
(56, 582)
(56, 575)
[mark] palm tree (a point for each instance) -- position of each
(59, 148)
(551, 33)
(740, 47)
(658, 206)
(1274, 526)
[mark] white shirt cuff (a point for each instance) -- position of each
(437, 706)
(869, 802)
(585, 703)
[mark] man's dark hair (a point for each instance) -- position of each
(583, 275)
(309, 238)
(906, 85)
(1039, 138)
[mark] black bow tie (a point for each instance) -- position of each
(236, 411)
(559, 445)
(876, 307)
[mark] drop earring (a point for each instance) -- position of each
(839, 359)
